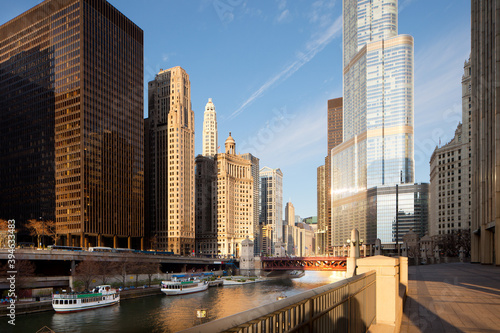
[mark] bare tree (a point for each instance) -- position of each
(154, 242)
(450, 244)
(106, 270)
(4, 225)
(87, 271)
(123, 268)
(41, 228)
(150, 268)
(25, 271)
(139, 267)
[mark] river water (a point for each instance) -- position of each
(168, 314)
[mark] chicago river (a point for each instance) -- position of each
(161, 313)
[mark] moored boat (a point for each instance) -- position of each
(99, 297)
(183, 286)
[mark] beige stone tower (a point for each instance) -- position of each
(234, 200)
(209, 130)
(171, 149)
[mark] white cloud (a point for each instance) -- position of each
(283, 17)
(321, 12)
(303, 57)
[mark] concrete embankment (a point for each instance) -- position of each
(46, 305)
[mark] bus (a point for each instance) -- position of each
(100, 249)
(65, 248)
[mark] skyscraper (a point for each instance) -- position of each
(71, 77)
(271, 208)
(449, 167)
(377, 148)
(234, 200)
(209, 130)
(485, 52)
(224, 202)
(289, 214)
(335, 137)
(171, 161)
(256, 198)
(206, 206)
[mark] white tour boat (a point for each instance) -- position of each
(99, 297)
(183, 286)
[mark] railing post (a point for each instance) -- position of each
(387, 287)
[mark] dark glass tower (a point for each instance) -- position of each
(71, 80)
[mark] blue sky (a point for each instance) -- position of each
(271, 65)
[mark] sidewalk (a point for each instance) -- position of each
(457, 297)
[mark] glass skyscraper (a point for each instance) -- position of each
(377, 148)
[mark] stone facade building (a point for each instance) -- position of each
(170, 150)
(485, 131)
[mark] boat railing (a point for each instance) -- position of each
(75, 296)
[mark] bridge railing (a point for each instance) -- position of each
(344, 306)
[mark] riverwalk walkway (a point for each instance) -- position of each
(459, 297)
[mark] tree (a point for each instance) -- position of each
(39, 229)
(449, 244)
(87, 271)
(150, 268)
(154, 242)
(139, 267)
(105, 270)
(25, 271)
(122, 269)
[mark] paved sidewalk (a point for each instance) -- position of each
(457, 297)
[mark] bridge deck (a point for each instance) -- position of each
(305, 263)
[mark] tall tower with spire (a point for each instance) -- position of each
(376, 154)
(209, 130)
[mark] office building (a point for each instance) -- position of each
(289, 214)
(271, 207)
(206, 206)
(234, 200)
(171, 161)
(71, 94)
(256, 195)
(335, 137)
(209, 130)
(449, 188)
(322, 198)
(485, 131)
(224, 202)
(377, 147)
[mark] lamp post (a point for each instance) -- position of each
(43, 230)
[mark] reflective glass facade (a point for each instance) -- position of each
(92, 77)
(412, 213)
(378, 114)
(271, 206)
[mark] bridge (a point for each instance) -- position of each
(64, 255)
(61, 262)
(304, 263)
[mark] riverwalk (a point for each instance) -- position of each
(459, 297)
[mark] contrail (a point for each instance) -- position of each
(312, 49)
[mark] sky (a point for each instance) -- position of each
(270, 67)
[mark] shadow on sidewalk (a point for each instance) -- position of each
(424, 319)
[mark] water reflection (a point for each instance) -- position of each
(170, 314)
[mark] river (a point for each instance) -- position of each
(168, 314)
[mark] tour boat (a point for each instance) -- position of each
(99, 297)
(183, 286)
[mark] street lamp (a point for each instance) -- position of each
(43, 230)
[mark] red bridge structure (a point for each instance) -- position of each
(304, 263)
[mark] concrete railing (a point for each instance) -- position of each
(345, 306)
(392, 287)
